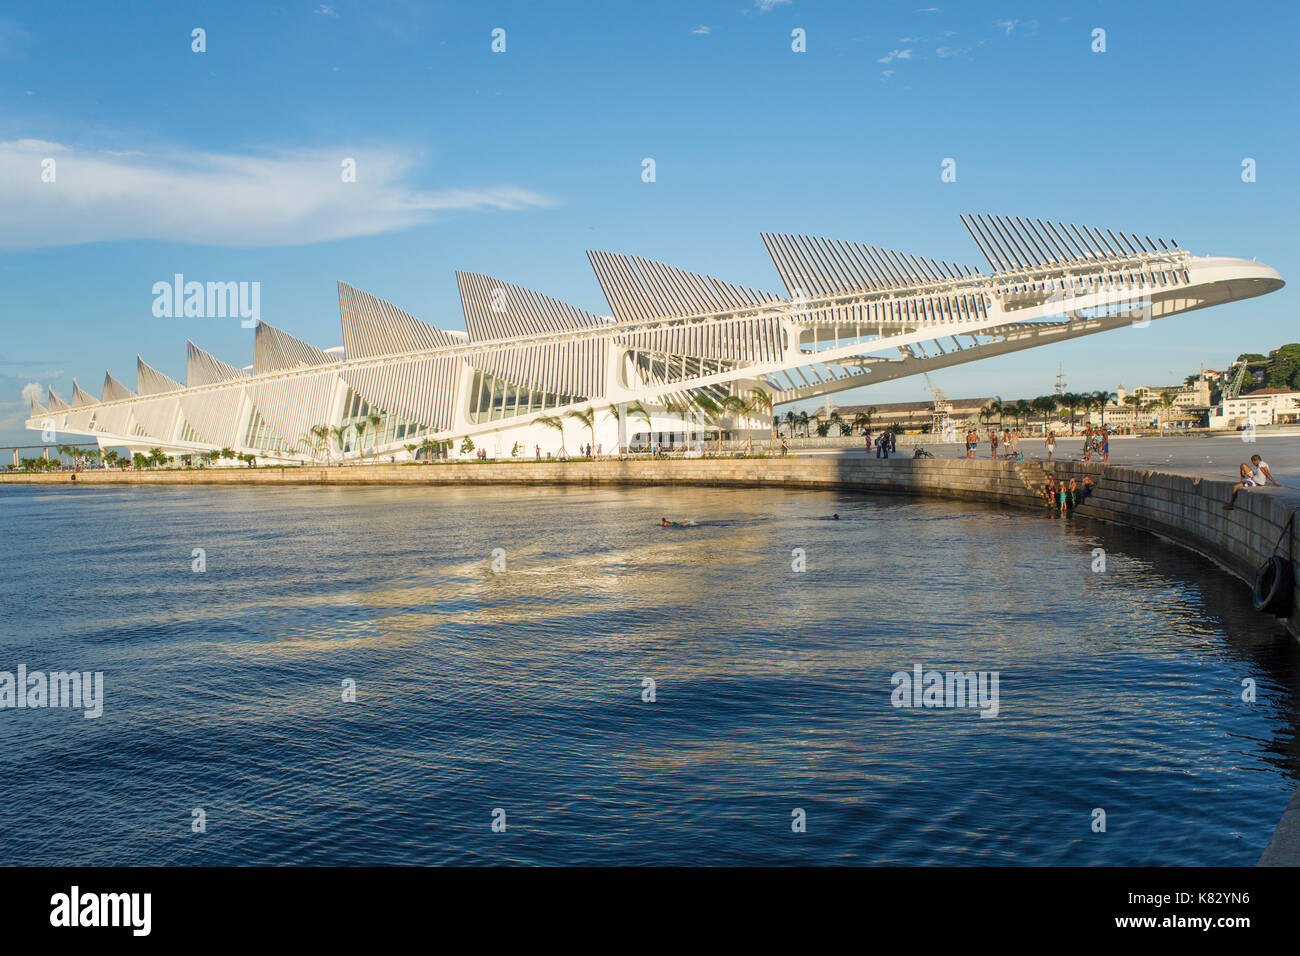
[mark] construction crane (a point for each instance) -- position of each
(1238, 373)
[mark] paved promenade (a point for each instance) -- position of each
(1217, 457)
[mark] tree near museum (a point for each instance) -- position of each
(551, 421)
(1044, 405)
(587, 416)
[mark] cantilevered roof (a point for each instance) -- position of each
(372, 326)
(500, 310)
(812, 266)
(81, 397)
(115, 390)
(150, 381)
(204, 368)
(275, 350)
(643, 290)
(1010, 243)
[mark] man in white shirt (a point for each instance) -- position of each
(1253, 475)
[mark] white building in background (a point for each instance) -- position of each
(1268, 406)
(852, 315)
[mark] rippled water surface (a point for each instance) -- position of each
(523, 690)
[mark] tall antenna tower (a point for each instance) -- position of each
(1060, 380)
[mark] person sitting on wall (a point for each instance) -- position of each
(1254, 474)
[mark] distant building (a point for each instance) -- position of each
(907, 415)
(1267, 406)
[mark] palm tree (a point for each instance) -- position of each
(1071, 402)
(1134, 402)
(339, 433)
(758, 401)
(322, 435)
(308, 442)
(588, 418)
(1167, 400)
(681, 410)
(371, 423)
(710, 410)
(790, 419)
(1045, 405)
(803, 421)
(995, 408)
(1103, 398)
(862, 420)
(1023, 408)
(551, 421)
(637, 410)
(738, 407)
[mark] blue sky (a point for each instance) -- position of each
(224, 165)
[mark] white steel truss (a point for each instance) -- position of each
(853, 315)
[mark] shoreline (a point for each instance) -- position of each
(1184, 509)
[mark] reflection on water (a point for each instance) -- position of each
(523, 689)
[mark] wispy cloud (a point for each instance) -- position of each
(886, 73)
(767, 6)
(893, 55)
(702, 30)
(1006, 25)
(325, 10)
(228, 199)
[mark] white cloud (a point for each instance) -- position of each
(702, 30)
(767, 6)
(33, 390)
(886, 73)
(1007, 25)
(275, 199)
(895, 55)
(325, 10)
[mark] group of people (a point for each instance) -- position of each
(1065, 495)
(1008, 441)
(885, 443)
(1096, 441)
